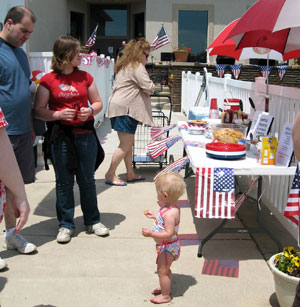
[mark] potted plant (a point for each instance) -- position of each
(181, 53)
(285, 267)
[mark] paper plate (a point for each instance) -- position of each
(197, 123)
(225, 151)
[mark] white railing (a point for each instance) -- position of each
(284, 104)
(101, 68)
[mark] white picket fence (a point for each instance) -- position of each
(103, 74)
(284, 104)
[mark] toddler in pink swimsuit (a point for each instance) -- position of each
(169, 188)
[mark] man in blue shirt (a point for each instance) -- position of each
(16, 106)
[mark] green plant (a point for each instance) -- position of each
(182, 48)
(288, 261)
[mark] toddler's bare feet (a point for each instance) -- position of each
(160, 299)
(156, 291)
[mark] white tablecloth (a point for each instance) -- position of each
(247, 166)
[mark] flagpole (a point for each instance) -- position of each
(267, 88)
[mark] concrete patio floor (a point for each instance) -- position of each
(119, 270)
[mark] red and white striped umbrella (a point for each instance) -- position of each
(273, 24)
(227, 47)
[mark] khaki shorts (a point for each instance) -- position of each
(23, 148)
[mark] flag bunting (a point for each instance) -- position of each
(282, 70)
(236, 69)
(220, 68)
(176, 166)
(265, 72)
(161, 39)
(157, 148)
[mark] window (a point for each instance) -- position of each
(116, 25)
(192, 30)
(112, 20)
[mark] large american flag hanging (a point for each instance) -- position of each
(292, 206)
(157, 148)
(176, 166)
(161, 39)
(265, 71)
(220, 68)
(215, 193)
(92, 40)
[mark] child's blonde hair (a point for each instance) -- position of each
(172, 183)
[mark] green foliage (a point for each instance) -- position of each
(288, 261)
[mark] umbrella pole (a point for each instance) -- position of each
(267, 86)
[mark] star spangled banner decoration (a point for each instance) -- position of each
(215, 193)
(265, 71)
(100, 62)
(161, 39)
(236, 69)
(86, 60)
(291, 210)
(282, 70)
(176, 166)
(220, 68)
(92, 40)
(157, 148)
(157, 131)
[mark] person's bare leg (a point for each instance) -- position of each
(165, 276)
(125, 146)
(9, 215)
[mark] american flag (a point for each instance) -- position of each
(265, 71)
(228, 268)
(91, 41)
(215, 193)
(157, 131)
(281, 71)
(159, 147)
(236, 69)
(220, 68)
(161, 39)
(292, 205)
(176, 166)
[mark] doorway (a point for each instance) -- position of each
(139, 25)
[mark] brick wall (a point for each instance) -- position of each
(248, 73)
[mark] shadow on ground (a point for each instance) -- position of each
(181, 283)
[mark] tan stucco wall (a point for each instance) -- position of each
(52, 21)
(220, 14)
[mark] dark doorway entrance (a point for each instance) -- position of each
(77, 25)
(139, 25)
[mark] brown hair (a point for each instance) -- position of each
(172, 183)
(132, 54)
(17, 13)
(64, 51)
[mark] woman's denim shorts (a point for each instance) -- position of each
(124, 124)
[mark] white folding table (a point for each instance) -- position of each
(243, 167)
